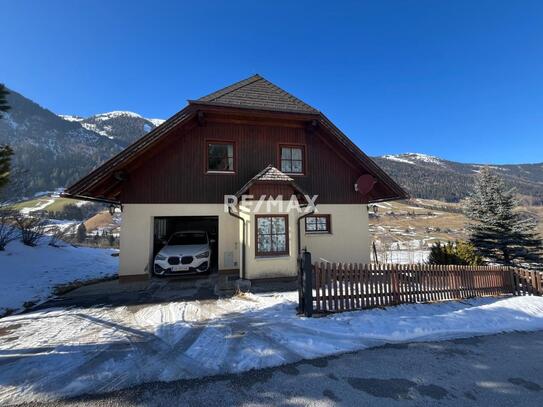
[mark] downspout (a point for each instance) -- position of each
(299, 233)
(242, 271)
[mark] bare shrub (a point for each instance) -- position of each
(32, 228)
(8, 232)
(59, 235)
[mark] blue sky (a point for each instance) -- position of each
(459, 79)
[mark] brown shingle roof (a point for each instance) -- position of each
(257, 93)
(269, 174)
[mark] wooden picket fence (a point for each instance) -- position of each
(326, 287)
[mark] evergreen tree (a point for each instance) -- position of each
(5, 151)
(5, 164)
(460, 253)
(81, 233)
(500, 234)
(4, 107)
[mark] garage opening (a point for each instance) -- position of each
(185, 245)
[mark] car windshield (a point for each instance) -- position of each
(187, 238)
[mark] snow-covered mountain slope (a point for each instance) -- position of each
(426, 176)
(414, 158)
(54, 151)
(122, 126)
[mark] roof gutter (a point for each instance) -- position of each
(242, 268)
(305, 215)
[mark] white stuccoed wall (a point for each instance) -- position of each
(349, 241)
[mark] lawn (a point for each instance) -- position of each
(46, 203)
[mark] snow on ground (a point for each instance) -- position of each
(31, 273)
(59, 353)
(404, 256)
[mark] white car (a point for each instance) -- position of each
(187, 251)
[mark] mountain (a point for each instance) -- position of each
(429, 177)
(53, 151)
(123, 127)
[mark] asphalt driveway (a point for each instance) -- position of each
(498, 370)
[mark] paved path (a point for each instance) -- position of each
(499, 370)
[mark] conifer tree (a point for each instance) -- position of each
(5, 151)
(4, 107)
(498, 232)
(81, 233)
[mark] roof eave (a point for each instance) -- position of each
(301, 112)
(89, 198)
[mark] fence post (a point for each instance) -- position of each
(395, 284)
(300, 284)
(307, 275)
(512, 280)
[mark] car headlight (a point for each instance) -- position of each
(160, 257)
(203, 255)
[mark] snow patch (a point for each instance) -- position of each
(156, 122)
(94, 128)
(413, 158)
(71, 118)
(397, 158)
(116, 113)
(31, 273)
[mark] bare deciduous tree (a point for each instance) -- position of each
(8, 232)
(59, 235)
(32, 228)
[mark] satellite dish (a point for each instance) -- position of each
(364, 184)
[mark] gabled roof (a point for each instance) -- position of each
(257, 93)
(272, 175)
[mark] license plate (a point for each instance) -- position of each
(180, 268)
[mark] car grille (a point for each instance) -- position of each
(173, 260)
(186, 259)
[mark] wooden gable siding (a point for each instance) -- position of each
(177, 174)
(271, 190)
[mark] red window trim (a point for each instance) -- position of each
(304, 157)
(272, 254)
(320, 232)
(206, 161)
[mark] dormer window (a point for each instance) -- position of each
(220, 157)
(292, 159)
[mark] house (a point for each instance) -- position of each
(249, 139)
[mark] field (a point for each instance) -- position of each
(49, 203)
(404, 231)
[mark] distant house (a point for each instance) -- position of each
(250, 138)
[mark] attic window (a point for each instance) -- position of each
(220, 157)
(292, 159)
